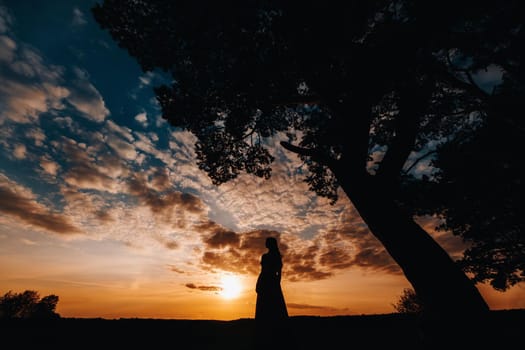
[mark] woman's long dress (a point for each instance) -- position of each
(270, 305)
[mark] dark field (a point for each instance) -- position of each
(503, 329)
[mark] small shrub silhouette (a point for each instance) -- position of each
(408, 303)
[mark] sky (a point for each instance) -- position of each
(103, 205)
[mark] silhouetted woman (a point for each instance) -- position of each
(270, 305)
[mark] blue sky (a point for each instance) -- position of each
(100, 197)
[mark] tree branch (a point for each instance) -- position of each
(418, 160)
(454, 80)
(298, 100)
(412, 104)
(296, 149)
(315, 154)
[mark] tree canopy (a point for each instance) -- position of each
(365, 92)
(28, 305)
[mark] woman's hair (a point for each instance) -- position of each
(271, 244)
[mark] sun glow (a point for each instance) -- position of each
(231, 287)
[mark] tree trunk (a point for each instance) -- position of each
(442, 286)
(451, 302)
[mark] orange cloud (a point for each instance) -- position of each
(164, 202)
(204, 288)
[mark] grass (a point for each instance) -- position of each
(396, 331)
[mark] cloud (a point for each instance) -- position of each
(79, 19)
(172, 206)
(5, 20)
(320, 241)
(204, 288)
(142, 118)
(84, 172)
(489, 77)
(241, 252)
(146, 79)
(28, 241)
(122, 148)
(222, 238)
(31, 87)
(170, 244)
(23, 103)
(7, 48)
(49, 166)
(454, 245)
(159, 179)
(20, 151)
(146, 144)
(118, 218)
(83, 176)
(122, 131)
(103, 216)
(86, 98)
(338, 239)
(37, 135)
(20, 204)
(175, 269)
(64, 122)
(345, 245)
(350, 234)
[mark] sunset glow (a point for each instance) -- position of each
(231, 287)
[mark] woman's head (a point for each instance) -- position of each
(271, 243)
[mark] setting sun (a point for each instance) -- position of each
(231, 287)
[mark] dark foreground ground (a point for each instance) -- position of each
(503, 330)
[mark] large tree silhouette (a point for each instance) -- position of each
(342, 80)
